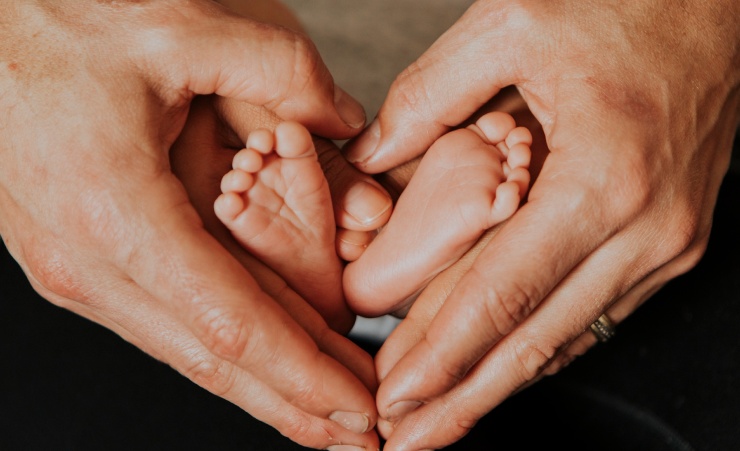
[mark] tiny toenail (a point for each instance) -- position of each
(366, 203)
(349, 109)
(358, 423)
(362, 148)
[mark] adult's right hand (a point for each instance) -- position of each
(639, 120)
(93, 95)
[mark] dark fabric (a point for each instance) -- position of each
(669, 380)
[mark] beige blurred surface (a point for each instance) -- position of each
(367, 43)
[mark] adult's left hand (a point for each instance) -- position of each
(639, 120)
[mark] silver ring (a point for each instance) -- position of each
(603, 328)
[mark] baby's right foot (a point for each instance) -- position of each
(276, 202)
(470, 180)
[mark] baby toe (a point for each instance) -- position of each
(496, 126)
(236, 181)
(261, 140)
(248, 160)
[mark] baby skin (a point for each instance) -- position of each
(469, 180)
(277, 204)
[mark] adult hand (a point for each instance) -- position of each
(94, 94)
(639, 120)
(215, 130)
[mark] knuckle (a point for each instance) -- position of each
(306, 56)
(454, 371)
(224, 332)
(564, 358)
(52, 276)
(302, 431)
(460, 428)
(532, 356)
(304, 395)
(506, 305)
(464, 418)
(213, 374)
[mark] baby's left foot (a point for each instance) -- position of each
(468, 181)
(277, 204)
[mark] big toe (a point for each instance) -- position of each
(496, 126)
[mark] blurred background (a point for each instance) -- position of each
(366, 44)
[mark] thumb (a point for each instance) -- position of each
(216, 52)
(457, 75)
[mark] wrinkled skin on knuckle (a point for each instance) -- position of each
(219, 377)
(304, 393)
(458, 428)
(156, 43)
(224, 332)
(565, 357)
(452, 372)
(531, 356)
(453, 417)
(50, 273)
(57, 272)
(507, 306)
(211, 373)
(307, 431)
(463, 417)
(463, 426)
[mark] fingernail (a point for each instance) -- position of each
(401, 409)
(352, 421)
(354, 237)
(345, 448)
(365, 203)
(349, 109)
(363, 147)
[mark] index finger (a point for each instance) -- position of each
(499, 291)
(198, 282)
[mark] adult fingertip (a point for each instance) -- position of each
(400, 409)
(368, 206)
(385, 428)
(362, 148)
(356, 422)
(346, 448)
(349, 109)
(351, 244)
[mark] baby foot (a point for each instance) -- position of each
(468, 181)
(276, 202)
